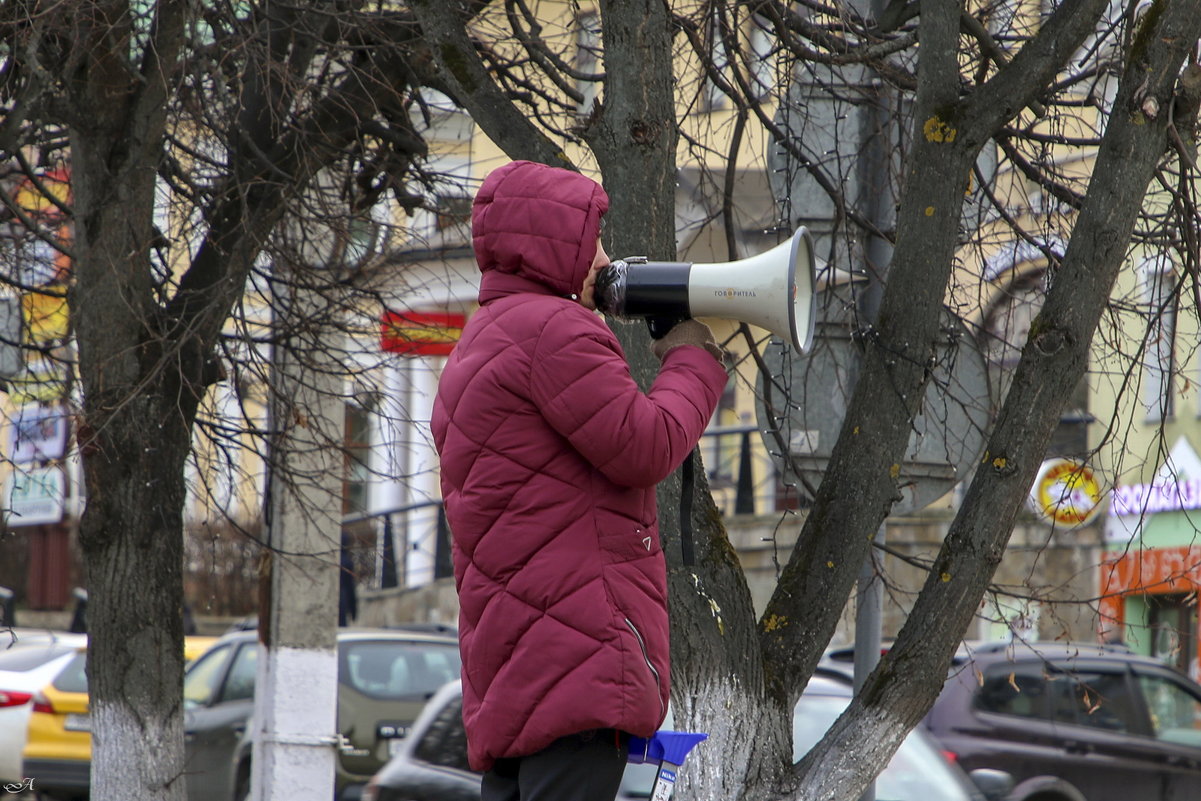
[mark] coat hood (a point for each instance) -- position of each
(537, 223)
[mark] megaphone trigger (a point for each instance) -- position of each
(659, 326)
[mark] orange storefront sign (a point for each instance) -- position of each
(1151, 571)
(420, 333)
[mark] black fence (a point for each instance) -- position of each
(410, 545)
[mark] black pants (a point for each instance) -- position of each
(579, 767)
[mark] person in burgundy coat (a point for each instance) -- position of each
(550, 454)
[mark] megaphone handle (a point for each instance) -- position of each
(659, 326)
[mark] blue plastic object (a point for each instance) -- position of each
(665, 746)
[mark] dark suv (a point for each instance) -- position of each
(1072, 722)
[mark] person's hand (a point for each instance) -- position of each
(687, 332)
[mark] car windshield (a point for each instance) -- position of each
(391, 669)
(917, 772)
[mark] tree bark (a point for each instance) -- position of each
(134, 430)
(910, 676)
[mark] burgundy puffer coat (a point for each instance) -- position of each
(550, 455)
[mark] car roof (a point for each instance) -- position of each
(359, 634)
(989, 652)
(24, 637)
(1060, 651)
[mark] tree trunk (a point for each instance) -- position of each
(134, 436)
(717, 672)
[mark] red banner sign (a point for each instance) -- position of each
(420, 333)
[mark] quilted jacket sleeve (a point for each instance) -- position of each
(581, 383)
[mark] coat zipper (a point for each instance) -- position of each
(650, 665)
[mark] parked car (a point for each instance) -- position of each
(432, 764)
(918, 771)
(27, 663)
(1073, 722)
(385, 678)
(58, 749)
(58, 752)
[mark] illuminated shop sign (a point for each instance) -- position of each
(1167, 496)
(1066, 491)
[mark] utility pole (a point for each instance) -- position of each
(877, 137)
(295, 714)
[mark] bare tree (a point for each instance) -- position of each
(247, 116)
(991, 73)
(191, 132)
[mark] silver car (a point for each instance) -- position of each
(432, 763)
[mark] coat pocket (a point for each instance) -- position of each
(623, 539)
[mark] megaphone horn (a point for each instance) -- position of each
(774, 290)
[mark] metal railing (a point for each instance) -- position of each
(742, 476)
(409, 545)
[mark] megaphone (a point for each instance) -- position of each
(774, 290)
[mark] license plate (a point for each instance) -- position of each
(78, 723)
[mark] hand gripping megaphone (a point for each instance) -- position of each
(774, 290)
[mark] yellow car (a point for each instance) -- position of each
(58, 752)
(195, 646)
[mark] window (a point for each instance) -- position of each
(762, 44)
(444, 216)
(397, 669)
(1006, 326)
(1172, 619)
(362, 238)
(201, 681)
(74, 677)
(1159, 299)
(1098, 700)
(1175, 712)
(714, 99)
(1094, 699)
(1007, 691)
(239, 684)
(356, 480)
(445, 741)
(588, 60)
(453, 211)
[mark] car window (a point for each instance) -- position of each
(916, 771)
(395, 669)
(200, 682)
(74, 677)
(28, 657)
(239, 683)
(1010, 690)
(1175, 710)
(1095, 699)
(445, 741)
